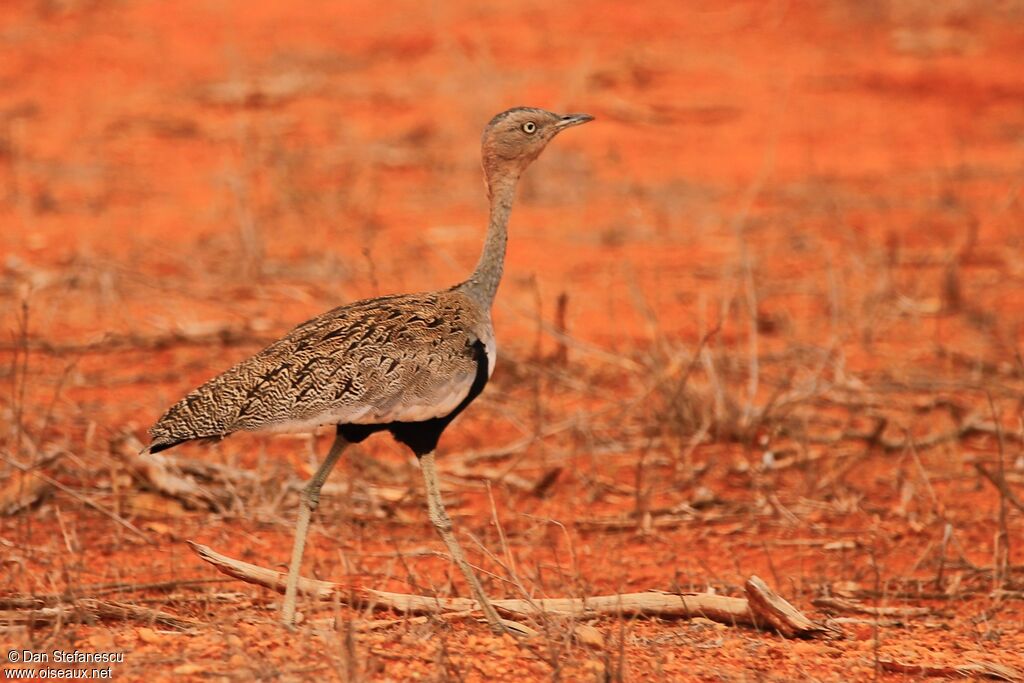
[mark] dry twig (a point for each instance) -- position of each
(762, 608)
(999, 481)
(992, 670)
(850, 607)
(160, 473)
(22, 490)
(91, 609)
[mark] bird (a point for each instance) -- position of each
(406, 364)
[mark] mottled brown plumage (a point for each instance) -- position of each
(406, 364)
(390, 359)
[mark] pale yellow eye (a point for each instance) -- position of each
(529, 127)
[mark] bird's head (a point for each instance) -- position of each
(516, 137)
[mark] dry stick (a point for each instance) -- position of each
(765, 604)
(21, 491)
(656, 521)
(117, 343)
(684, 380)
(561, 354)
(918, 595)
(91, 609)
(892, 445)
(21, 375)
(510, 562)
(851, 607)
(999, 482)
(947, 533)
(44, 599)
(937, 509)
(157, 471)
(82, 499)
(1001, 560)
(739, 222)
(762, 608)
(519, 445)
(999, 672)
(754, 367)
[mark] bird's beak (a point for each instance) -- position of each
(570, 120)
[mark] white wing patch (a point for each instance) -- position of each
(419, 408)
(491, 347)
(437, 403)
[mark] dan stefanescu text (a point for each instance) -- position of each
(65, 657)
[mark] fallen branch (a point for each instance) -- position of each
(877, 622)
(999, 481)
(117, 343)
(972, 425)
(992, 670)
(22, 491)
(768, 607)
(326, 590)
(582, 633)
(82, 499)
(27, 486)
(850, 607)
(762, 608)
(158, 473)
(631, 523)
(91, 609)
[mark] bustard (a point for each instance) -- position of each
(405, 364)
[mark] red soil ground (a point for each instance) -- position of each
(791, 246)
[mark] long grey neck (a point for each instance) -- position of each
(482, 285)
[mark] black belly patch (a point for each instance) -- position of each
(422, 437)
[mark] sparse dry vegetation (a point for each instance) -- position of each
(764, 319)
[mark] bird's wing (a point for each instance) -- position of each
(392, 359)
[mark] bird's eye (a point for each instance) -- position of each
(529, 127)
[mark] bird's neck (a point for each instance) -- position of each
(483, 283)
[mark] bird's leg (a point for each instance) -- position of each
(439, 518)
(310, 499)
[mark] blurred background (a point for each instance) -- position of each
(778, 284)
(170, 156)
